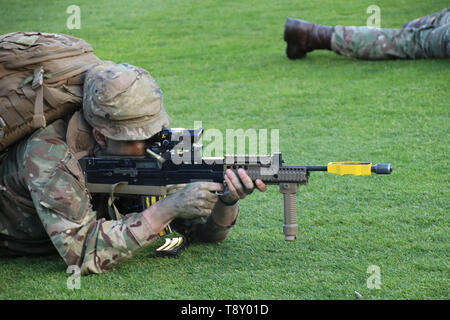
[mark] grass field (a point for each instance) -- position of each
(223, 62)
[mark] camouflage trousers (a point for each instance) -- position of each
(426, 37)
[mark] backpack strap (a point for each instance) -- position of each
(37, 85)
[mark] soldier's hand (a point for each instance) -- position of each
(239, 186)
(192, 200)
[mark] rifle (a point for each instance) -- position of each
(166, 165)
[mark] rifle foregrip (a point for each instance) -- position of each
(290, 226)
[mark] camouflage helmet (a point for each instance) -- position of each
(123, 102)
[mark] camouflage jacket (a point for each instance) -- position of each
(44, 204)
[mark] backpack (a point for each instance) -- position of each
(41, 80)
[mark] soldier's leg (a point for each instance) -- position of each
(430, 40)
(435, 20)
(375, 44)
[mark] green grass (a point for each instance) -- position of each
(224, 63)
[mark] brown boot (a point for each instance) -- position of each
(303, 36)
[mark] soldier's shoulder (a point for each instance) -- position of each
(54, 133)
(45, 149)
(48, 140)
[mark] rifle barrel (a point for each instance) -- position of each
(316, 168)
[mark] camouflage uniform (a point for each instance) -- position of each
(427, 37)
(44, 203)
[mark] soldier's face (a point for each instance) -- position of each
(125, 148)
(120, 148)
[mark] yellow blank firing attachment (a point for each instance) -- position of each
(354, 168)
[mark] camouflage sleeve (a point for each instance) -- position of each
(203, 229)
(63, 204)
